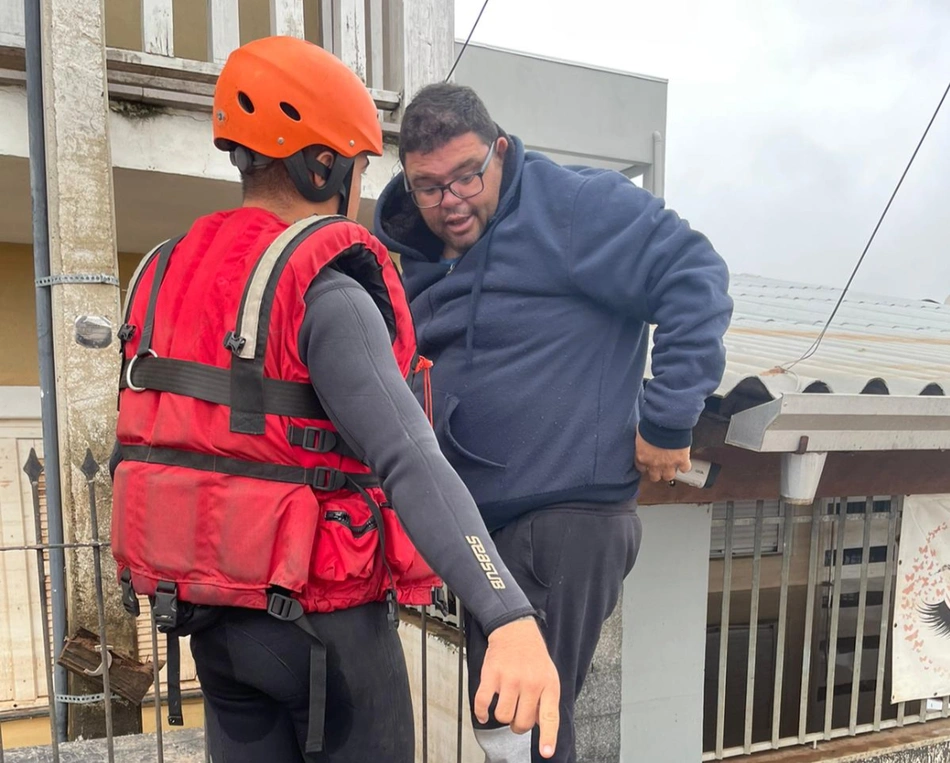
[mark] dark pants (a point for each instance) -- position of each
(571, 563)
(254, 672)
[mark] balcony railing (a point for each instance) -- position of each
(803, 597)
(170, 52)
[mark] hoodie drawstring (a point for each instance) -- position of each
(476, 297)
(423, 365)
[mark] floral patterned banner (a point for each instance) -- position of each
(921, 645)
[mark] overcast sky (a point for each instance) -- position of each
(789, 122)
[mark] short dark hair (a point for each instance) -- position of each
(441, 112)
(271, 182)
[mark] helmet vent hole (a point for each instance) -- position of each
(290, 111)
(245, 102)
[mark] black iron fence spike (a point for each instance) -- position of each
(33, 467)
(90, 467)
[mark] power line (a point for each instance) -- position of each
(467, 40)
(817, 343)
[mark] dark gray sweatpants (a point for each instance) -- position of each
(571, 562)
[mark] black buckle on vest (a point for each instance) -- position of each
(283, 607)
(392, 609)
(327, 480)
(440, 602)
(314, 439)
(165, 607)
(233, 342)
(129, 600)
(126, 332)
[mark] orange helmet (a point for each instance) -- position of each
(279, 95)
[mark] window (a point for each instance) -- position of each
(743, 535)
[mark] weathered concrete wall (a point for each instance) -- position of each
(935, 753)
(82, 241)
(443, 657)
(916, 743)
(664, 637)
(156, 139)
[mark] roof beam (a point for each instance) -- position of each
(799, 423)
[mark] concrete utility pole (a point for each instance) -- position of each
(82, 244)
(426, 50)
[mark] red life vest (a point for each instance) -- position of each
(233, 483)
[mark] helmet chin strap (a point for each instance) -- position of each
(248, 161)
(345, 191)
(338, 177)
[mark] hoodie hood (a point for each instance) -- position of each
(399, 224)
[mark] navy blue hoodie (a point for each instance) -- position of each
(540, 333)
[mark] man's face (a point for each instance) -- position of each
(459, 222)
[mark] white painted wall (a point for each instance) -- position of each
(167, 173)
(443, 697)
(664, 637)
(22, 675)
(575, 113)
(20, 403)
(170, 142)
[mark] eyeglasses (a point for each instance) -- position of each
(464, 187)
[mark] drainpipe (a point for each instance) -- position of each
(659, 165)
(801, 474)
(44, 330)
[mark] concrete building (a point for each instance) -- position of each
(739, 630)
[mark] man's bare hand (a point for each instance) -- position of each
(658, 464)
(519, 670)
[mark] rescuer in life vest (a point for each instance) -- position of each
(273, 467)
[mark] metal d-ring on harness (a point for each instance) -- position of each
(128, 371)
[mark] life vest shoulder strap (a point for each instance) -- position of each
(127, 330)
(248, 340)
(249, 337)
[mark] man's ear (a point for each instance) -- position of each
(325, 158)
(501, 147)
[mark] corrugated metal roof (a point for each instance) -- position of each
(875, 344)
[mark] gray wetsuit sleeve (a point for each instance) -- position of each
(347, 348)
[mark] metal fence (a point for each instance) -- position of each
(35, 547)
(57, 694)
(801, 650)
(803, 597)
(448, 611)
